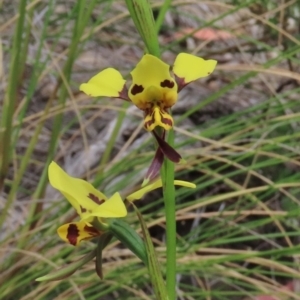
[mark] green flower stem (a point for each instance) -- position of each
(167, 175)
(142, 16)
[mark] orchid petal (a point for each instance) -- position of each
(114, 207)
(109, 83)
(155, 185)
(185, 184)
(81, 194)
(188, 68)
(152, 82)
(150, 70)
(74, 233)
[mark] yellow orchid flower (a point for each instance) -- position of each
(153, 89)
(91, 203)
(87, 201)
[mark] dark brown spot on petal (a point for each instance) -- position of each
(73, 234)
(82, 209)
(167, 83)
(95, 199)
(136, 89)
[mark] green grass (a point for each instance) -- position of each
(238, 231)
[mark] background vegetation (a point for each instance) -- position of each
(238, 232)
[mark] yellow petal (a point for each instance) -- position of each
(112, 208)
(141, 192)
(158, 117)
(189, 67)
(156, 184)
(152, 82)
(81, 194)
(185, 184)
(109, 83)
(74, 233)
(150, 70)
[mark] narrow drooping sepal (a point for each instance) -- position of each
(167, 150)
(74, 233)
(129, 237)
(188, 68)
(154, 168)
(155, 185)
(68, 270)
(108, 82)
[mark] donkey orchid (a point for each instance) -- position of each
(88, 202)
(91, 205)
(153, 89)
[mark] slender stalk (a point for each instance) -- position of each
(170, 210)
(142, 16)
(169, 195)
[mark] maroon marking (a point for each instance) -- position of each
(72, 234)
(150, 122)
(147, 124)
(95, 199)
(91, 230)
(136, 89)
(167, 121)
(167, 150)
(124, 93)
(180, 83)
(156, 164)
(82, 209)
(167, 83)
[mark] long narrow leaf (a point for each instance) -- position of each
(153, 264)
